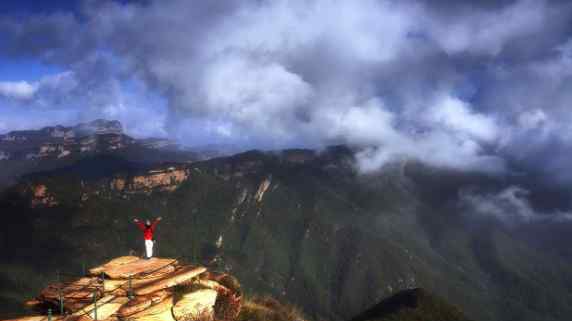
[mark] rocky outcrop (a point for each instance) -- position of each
(49, 149)
(181, 276)
(158, 179)
(177, 294)
(262, 189)
(41, 197)
(201, 301)
(163, 179)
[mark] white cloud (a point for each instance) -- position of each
(511, 206)
(58, 84)
(532, 119)
(383, 75)
(18, 89)
(254, 94)
(455, 114)
(373, 127)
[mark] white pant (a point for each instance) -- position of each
(149, 248)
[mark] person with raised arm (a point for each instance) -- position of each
(148, 230)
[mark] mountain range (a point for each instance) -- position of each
(25, 151)
(304, 226)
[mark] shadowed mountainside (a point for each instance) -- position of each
(300, 225)
(412, 305)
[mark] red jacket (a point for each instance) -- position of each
(147, 230)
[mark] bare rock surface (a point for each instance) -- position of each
(140, 266)
(195, 304)
(158, 289)
(172, 280)
(122, 260)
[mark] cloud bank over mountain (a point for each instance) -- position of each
(510, 206)
(467, 85)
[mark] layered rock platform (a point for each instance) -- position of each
(131, 288)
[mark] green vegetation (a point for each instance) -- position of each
(322, 237)
(266, 308)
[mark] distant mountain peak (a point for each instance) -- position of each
(56, 142)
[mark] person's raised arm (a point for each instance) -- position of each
(139, 224)
(157, 220)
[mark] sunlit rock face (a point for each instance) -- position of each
(158, 179)
(162, 179)
(262, 189)
(41, 197)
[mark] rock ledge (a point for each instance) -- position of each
(131, 288)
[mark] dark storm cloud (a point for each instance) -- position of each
(457, 84)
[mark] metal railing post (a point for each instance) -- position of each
(60, 296)
(130, 288)
(103, 281)
(95, 305)
(61, 302)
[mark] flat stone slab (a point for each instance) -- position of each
(105, 310)
(122, 260)
(141, 303)
(34, 318)
(88, 308)
(133, 268)
(158, 312)
(176, 278)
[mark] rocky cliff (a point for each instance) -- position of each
(42, 192)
